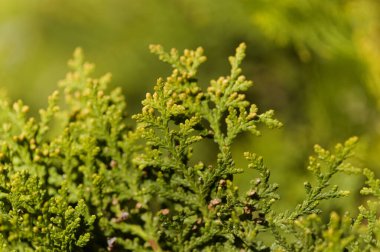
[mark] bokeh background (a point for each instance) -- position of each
(316, 63)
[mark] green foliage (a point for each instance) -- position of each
(321, 78)
(310, 233)
(78, 178)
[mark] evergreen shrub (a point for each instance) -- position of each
(81, 178)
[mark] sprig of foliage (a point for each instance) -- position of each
(324, 166)
(79, 179)
(203, 205)
(83, 166)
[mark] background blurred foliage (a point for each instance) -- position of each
(315, 62)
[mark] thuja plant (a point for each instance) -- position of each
(79, 178)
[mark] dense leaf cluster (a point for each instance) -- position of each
(79, 179)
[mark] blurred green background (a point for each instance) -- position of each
(316, 63)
